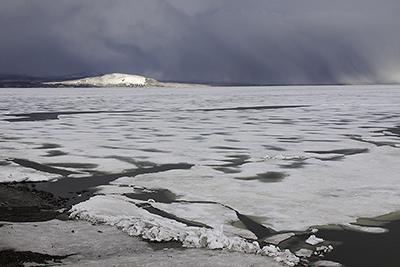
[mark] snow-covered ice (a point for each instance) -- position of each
(330, 159)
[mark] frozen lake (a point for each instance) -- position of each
(290, 157)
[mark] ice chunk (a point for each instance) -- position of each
(324, 263)
(276, 239)
(313, 240)
(288, 258)
(366, 229)
(270, 250)
(322, 250)
(15, 174)
(304, 253)
(281, 256)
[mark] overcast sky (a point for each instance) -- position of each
(252, 41)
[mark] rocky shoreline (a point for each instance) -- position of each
(21, 203)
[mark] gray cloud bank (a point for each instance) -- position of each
(254, 42)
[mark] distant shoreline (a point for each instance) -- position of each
(84, 81)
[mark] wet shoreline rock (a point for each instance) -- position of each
(24, 204)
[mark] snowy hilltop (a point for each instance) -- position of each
(86, 80)
(116, 80)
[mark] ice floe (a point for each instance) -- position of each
(313, 240)
(124, 214)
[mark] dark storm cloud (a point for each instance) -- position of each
(255, 41)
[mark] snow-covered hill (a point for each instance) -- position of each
(108, 80)
(116, 80)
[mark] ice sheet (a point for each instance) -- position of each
(329, 159)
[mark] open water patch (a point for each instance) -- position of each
(233, 163)
(346, 151)
(394, 131)
(4, 163)
(148, 207)
(154, 150)
(48, 146)
(256, 107)
(274, 148)
(74, 165)
(72, 188)
(268, 177)
(377, 143)
(227, 170)
(137, 163)
(228, 148)
(294, 165)
(42, 116)
(236, 160)
(158, 195)
(41, 167)
(295, 140)
(359, 248)
(391, 131)
(55, 153)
